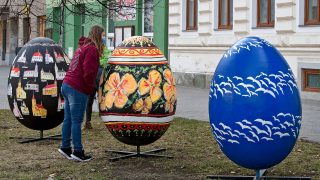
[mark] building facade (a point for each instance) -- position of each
(137, 17)
(18, 30)
(200, 31)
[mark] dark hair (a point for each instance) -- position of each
(95, 36)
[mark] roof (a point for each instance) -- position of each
(50, 86)
(37, 54)
(15, 69)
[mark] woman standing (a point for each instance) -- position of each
(103, 63)
(78, 84)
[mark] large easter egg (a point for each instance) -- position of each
(137, 93)
(34, 84)
(254, 105)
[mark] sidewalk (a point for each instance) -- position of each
(193, 104)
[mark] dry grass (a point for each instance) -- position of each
(196, 155)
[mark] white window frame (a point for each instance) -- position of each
(300, 7)
(215, 13)
(254, 20)
(306, 63)
(183, 23)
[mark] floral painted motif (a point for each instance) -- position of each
(119, 89)
(169, 87)
(153, 96)
(143, 105)
(170, 104)
(102, 103)
(137, 107)
(151, 85)
(169, 90)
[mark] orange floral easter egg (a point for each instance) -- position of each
(137, 93)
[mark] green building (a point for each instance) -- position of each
(65, 24)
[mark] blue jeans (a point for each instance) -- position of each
(75, 103)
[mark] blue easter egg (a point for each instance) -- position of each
(254, 105)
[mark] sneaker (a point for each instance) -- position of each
(80, 156)
(87, 125)
(66, 152)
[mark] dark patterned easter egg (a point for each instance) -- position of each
(137, 93)
(34, 84)
(254, 105)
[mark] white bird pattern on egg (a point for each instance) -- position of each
(273, 85)
(256, 130)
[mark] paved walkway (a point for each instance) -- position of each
(193, 104)
(4, 74)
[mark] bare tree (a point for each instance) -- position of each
(114, 9)
(27, 7)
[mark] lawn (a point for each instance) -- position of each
(195, 152)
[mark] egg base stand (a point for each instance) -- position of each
(259, 176)
(29, 140)
(138, 153)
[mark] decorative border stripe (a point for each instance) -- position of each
(136, 119)
(139, 115)
(129, 52)
(142, 127)
(144, 63)
(136, 59)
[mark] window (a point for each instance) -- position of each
(265, 13)
(110, 34)
(110, 25)
(191, 14)
(49, 33)
(26, 29)
(83, 22)
(148, 19)
(41, 26)
(125, 10)
(148, 16)
(122, 33)
(110, 41)
(82, 11)
(4, 39)
(311, 80)
(312, 12)
(225, 14)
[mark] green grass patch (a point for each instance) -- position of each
(195, 152)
